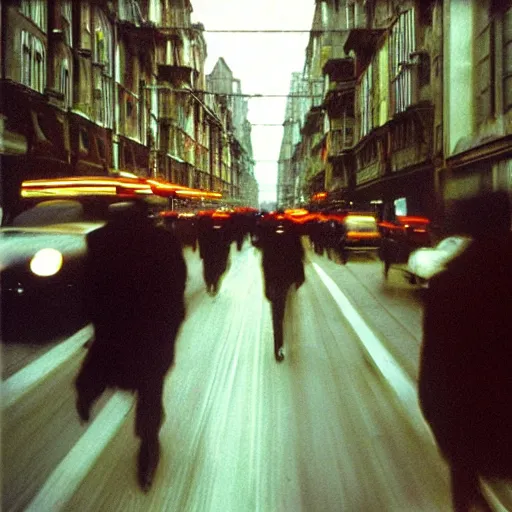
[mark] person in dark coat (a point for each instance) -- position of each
(214, 238)
(135, 283)
(465, 378)
(283, 266)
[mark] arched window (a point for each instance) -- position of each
(26, 57)
(33, 62)
(38, 81)
(66, 16)
(155, 13)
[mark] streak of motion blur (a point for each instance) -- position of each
(282, 259)
(335, 425)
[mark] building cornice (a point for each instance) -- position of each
(489, 150)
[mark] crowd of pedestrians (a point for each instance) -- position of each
(136, 277)
(135, 297)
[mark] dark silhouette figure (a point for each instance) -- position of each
(214, 238)
(135, 284)
(327, 235)
(465, 383)
(316, 230)
(241, 226)
(283, 266)
(183, 226)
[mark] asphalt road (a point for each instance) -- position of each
(334, 427)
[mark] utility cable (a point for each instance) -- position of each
(237, 94)
(255, 31)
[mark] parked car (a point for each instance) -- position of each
(424, 263)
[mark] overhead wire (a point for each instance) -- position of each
(254, 31)
(239, 94)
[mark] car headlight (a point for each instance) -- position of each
(46, 262)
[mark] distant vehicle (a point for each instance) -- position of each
(425, 263)
(400, 238)
(362, 231)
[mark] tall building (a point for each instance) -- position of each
(227, 90)
(97, 86)
(414, 111)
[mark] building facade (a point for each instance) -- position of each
(227, 91)
(96, 86)
(415, 110)
(477, 92)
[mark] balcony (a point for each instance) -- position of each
(341, 141)
(339, 102)
(411, 137)
(313, 122)
(370, 157)
(177, 75)
(364, 43)
(339, 70)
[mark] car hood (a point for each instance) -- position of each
(427, 262)
(19, 244)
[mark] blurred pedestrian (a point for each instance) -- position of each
(283, 266)
(465, 379)
(135, 284)
(240, 227)
(214, 238)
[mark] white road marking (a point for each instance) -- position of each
(69, 474)
(31, 375)
(401, 384)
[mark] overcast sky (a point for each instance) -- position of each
(263, 62)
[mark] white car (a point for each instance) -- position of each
(426, 262)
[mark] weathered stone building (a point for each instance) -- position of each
(94, 86)
(227, 90)
(477, 97)
(416, 102)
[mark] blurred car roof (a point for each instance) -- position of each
(50, 212)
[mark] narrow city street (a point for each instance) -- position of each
(327, 429)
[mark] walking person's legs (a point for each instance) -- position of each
(149, 418)
(466, 493)
(89, 384)
(278, 305)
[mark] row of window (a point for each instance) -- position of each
(401, 45)
(36, 11)
(33, 62)
(486, 69)
(97, 98)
